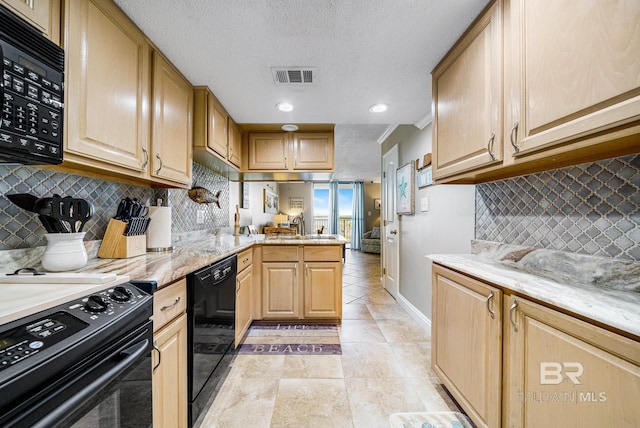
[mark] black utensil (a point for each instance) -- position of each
(71, 210)
(26, 201)
(42, 206)
(29, 202)
(87, 211)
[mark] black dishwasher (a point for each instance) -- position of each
(211, 312)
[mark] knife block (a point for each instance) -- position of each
(117, 246)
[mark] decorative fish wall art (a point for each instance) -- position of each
(201, 195)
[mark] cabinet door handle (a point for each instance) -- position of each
(512, 309)
(155, 348)
(513, 135)
(167, 307)
(306, 267)
(285, 162)
(146, 158)
(159, 160)
(493, 314)
(295, 271)
(490, 146)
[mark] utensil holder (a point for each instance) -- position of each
(117, 246)
(64, 252)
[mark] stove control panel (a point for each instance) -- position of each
(37, 334)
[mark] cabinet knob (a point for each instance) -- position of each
(490, 146)
(513, 136)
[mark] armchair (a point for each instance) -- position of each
(370, 242)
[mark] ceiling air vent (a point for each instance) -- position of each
(294, 75)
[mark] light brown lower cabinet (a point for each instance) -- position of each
(322, 298)
(301, 282)
(565, 372)
(524, 365)
(244, 285)
(280, 288)
(466, 352)
(169, 357)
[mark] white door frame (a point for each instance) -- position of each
(390, 224)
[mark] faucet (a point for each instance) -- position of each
(299, 222)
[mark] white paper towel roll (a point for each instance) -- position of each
(159, 232)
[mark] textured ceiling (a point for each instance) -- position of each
(364, 51)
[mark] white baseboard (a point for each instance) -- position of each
(418, 316)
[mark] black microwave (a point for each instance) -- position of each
(32, 94)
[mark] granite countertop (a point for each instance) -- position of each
(191, 252)
(601, 289)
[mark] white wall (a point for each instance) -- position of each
(447, 227)
(297, 190)
(255, 213)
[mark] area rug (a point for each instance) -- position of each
(294, 326)
(290, 349)
(430, 420)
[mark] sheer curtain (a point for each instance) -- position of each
(334, 208)
(357, 217)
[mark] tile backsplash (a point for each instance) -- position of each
(22, 229)
(591, 208)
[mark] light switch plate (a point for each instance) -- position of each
(424, 204)
(199, 216)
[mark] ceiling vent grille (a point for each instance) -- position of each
(294, 75)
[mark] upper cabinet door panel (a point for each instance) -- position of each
(235, 143)
(108, 85)
(313, 151)
(172, 123)
(580, 68)
(268, 151)
(217, 128)
(467, 88)
(42, 14)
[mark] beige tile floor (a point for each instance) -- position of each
(384, 367)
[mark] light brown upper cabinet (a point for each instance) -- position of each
(312, 151)
(42, 14)
(269, 151)
(172, 133)
(573, 71)
(291, 151)
(215, 135)
(107, 90)
(571, 90)
(235, 143)
(467, 100)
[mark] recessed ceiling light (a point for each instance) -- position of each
(289, 127)
(378, 108)
(284, 107)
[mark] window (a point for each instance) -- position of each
(321, 208)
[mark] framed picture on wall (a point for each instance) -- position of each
(376, 203)
(405, 182)
(270, 201)
(296, 204)
(424, 177)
